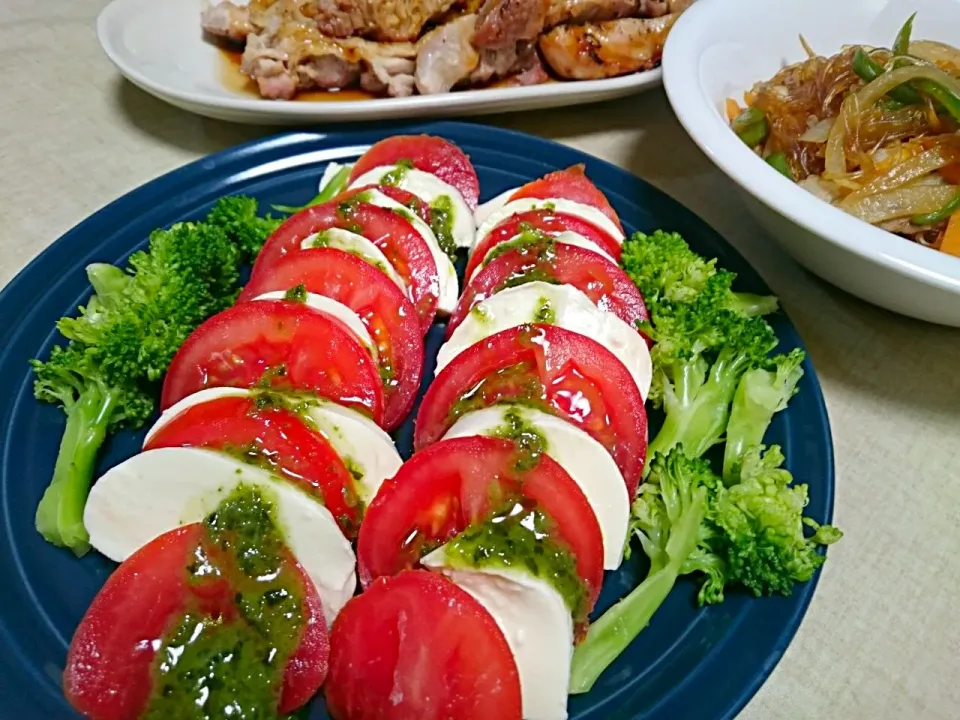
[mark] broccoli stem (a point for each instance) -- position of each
(697, 420)
(610, 635)
(613, 631)
(60, 512)
(752, 305)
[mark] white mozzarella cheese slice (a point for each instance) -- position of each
(449, 286)
(159, 490)
(358, 245)
(428, 188)
(341, 312)
(565, 238)
(484, 209)
(560, 305)
(536, 624)
(584, 459)
(366, 450)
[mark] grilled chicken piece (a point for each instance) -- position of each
(290, 54)
(385, 20)
(501, 23)
(228, 21)
(607, 49)
(446, 56)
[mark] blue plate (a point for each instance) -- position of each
(689, 663)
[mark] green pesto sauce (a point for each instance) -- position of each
(544, 312)
(296, 294)
(518, 384)
(271, 375)
(396, 176)
(441, 222)
(404, 213)
(321, 239)
(346, 211)
(210, 667)
(520, 538)
(528, 239)
(530, 442)
(480, 313)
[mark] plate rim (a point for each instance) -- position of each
(247, 155)
(571, 92)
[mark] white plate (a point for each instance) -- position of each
(158, 46)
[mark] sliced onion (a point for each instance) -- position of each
(902, 202)
(856, 103)
(936, 52)
(905, 172)
(819, 132)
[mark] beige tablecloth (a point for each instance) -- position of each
(882, 637)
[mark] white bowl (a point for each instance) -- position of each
(720, 48)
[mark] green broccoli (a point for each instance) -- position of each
(237, 215)
(122, 342)
(702, 350)
(687, 521)
(666, 270)
(762, 392)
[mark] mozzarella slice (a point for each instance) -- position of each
(159, 490)
(584, 459)
(586, 212)
(536, 624)
(357, 245)
(366, 450)
(341, 312)
(449, 287)
(560, 305)
(566, 238)
(328, 174)
(428, 188)
(483, 210)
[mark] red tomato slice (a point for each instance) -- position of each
(276, 343)
(430, 154)
(562, 372)
(548, 222)
(570, 184)
(417, 647)
(393, 235)
(385, 311)
(404, 197)
(451, 485)
(109, 663)
(276, 436)
(609, 287)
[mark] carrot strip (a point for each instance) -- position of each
(733, 109)
(951, 173)
(951, 237)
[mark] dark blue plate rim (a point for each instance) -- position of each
(235, 163)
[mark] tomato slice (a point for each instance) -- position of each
(451, 485)
(559, 371)
(428, 153)
(275, 436)
(417, 647)
(108, 674)
(392, 234)
(547, 222)
(609, 287)
(570, 184)
(277, 343)
(387, 314)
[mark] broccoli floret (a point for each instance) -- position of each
(119, 347)
(237, 215)
(702, 350)
(687, 521)
(762, 392)
(666, 270)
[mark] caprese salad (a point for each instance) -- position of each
(479, 558)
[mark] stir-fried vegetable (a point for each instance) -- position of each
(873, 131)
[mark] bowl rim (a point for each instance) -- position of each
(703, 122)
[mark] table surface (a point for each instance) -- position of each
(882, 636)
